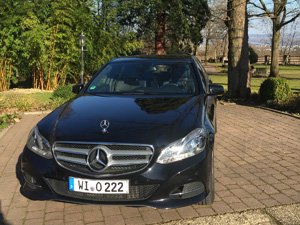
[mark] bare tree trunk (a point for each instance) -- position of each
(160, 42)
(195, 49)
(244, 63)
(274, 69)
(225, 47)
(292, 39)
(49, 84)
(42, 79)
(6, 73)
(10, 75)
(206, 46)
(34, 79)
(238, 49)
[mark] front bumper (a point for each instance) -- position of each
(162, 186)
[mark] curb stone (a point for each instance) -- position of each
(278, 111)
(277, 215)
(5, 130)
(37, 112)
(227, 103)
(264, 108)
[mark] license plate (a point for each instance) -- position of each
(99, 186)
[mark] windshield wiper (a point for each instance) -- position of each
(135, 92)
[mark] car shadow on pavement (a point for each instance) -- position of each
(27, 192)
(19, 172)
(2, 220)
(21, 179)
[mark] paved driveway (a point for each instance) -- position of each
(257, 165)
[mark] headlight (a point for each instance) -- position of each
(190, 145)
(38, 144)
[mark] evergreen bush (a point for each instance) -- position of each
(63, 92)
(274, 90)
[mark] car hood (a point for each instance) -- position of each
(132, 119)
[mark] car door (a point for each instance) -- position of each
(210, 101)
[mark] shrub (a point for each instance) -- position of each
(63, 92)
(7, 119)
(291, 106)
(274, 90)
(253, 57)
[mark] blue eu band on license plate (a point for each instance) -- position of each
(99, 186)
(71, 183)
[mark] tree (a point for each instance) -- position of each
(173, 25)
(214, 34)
(207, 33)
(50, 46)
(238, 49)
(39, 38)
(10, 42)
(108, 38)
(281, 12)
(215, 31)
(288, 35)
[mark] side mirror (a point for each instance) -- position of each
(216, 89)
(77, 88)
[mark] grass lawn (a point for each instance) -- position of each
(21, 100)
(16, 101)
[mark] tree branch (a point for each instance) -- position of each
(283, 16)
(264, 6)
(292, 11)
(256, 6)
(290, 20)
(259, 15)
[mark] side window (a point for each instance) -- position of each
(202, 73)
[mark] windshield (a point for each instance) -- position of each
(143, 77)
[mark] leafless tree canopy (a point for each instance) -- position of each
(215, 31)
(288, 11)
(281, 12)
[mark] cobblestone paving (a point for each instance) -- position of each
(257, 165)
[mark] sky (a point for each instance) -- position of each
(260, 32)
(264, 26)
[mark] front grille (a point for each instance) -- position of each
(121, 158)
(136, 192)
(132, 157)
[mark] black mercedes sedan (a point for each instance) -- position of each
(140, 133)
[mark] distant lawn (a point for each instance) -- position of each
(255, 82)
(291, 73)
(285, 71)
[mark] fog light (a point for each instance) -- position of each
(188, 190)
(31, 181)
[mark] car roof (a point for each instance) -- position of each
(185, 58)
